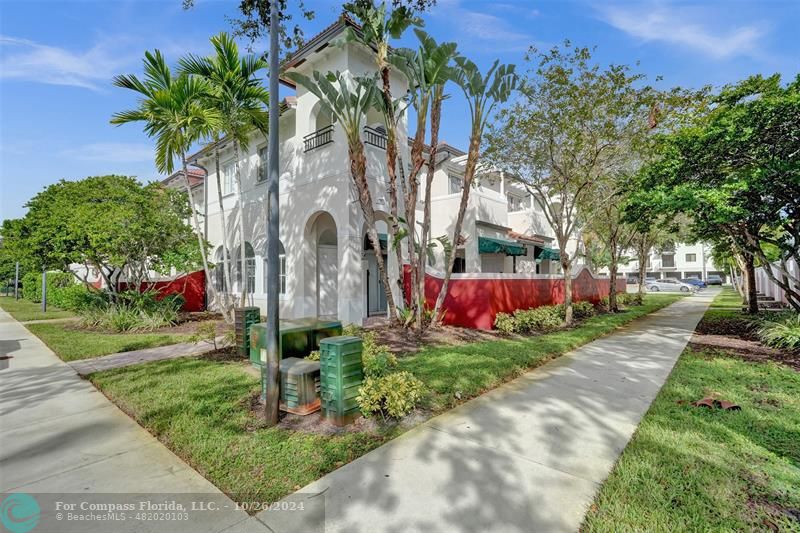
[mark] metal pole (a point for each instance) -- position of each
(16, 282)
(44, 290)
(270, 370)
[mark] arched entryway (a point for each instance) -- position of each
(322, 264)
(374, 292)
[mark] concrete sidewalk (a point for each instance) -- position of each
(526, 457)
(58, 434)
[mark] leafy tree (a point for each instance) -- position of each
(236, 94)
(349, 100)
(736, 173)
(172, 111)
(111, 224)
(483, 93)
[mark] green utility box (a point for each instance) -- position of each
(299, 337)
(243, 318)
(341, 375)
(300, 386)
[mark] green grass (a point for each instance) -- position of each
(694, 469)
(71, 344)
(469, 370)
(24, 310)
(200, 408)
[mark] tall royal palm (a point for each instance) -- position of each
(173, 114)
(348, 100)
(236, 94)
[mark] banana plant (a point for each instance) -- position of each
(348, 100)
(483, 93)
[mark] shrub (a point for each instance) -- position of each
(393, 395)
(313, 356)
(583, 309)
(784, 332)
(505, 323)
(539, 319)
(32, 284)
(377, 358)
(119, 318)
(78, 297)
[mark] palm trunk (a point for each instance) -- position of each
(242, 251)
(200, 241)
(469, 174)
(391, 168)
(436, 119)
(227, 311)
(358, 170)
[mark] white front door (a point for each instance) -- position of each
(327, 281)
(376, 296)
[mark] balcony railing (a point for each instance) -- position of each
(319, 138)
(375, 137)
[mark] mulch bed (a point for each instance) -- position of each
(401, 340)
(745, 349)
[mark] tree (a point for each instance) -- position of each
(237, 96)
(428, 69)
(172, 111)
(565, 134)
(736, 173)
(483, 93)
(375, 32)
(348, 100)
(111, 224)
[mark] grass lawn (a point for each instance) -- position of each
(695, 469)
(24, 310)
(200, 408)
(71, 344)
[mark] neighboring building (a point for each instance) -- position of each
(678, 262)
(328, 266)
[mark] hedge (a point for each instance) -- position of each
(32, 285)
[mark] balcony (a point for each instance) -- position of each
(375, 137)
(318, 139)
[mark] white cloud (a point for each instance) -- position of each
(682, 26)
(31, 61)
(474, 25)
(114, 152)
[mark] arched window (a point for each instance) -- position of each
(324, 118)
(282, 275)
(219, 270)
(250, 268)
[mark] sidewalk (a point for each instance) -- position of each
(526, 457)
(60, 435)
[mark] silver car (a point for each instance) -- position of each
(669, 285)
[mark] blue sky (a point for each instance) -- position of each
(57, 60)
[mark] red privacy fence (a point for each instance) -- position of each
(191, 286)
(473, 300)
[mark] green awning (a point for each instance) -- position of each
(490, 245)
(548, 253)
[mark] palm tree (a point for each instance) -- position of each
(172, 112)
(348, 100)
(237, 95)
(482, 93)
(427, 69)
(376, 30)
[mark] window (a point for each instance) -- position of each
(263, 167)
(516, 203)
(455, 183)
(228, 177)
(691, 258)
(219, 270)
(250, 268)
(282, 275)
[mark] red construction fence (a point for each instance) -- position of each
(473, 300)
(191, 286)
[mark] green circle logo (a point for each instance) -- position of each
(19, 512)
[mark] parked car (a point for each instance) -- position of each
(699, 283)
(669, 285)
(713, 279)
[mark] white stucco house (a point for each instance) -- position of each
(677, 261)
(328, 267)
